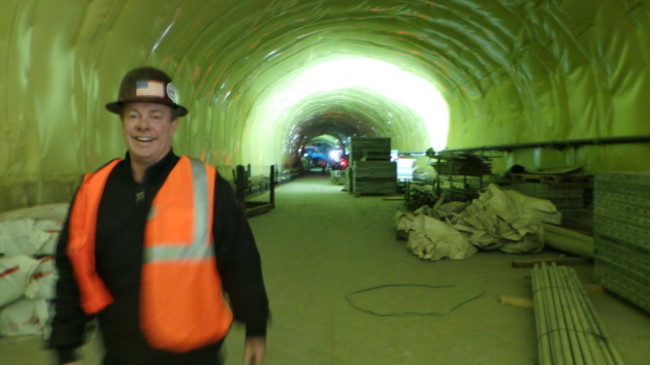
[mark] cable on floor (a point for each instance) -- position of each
(348, 298)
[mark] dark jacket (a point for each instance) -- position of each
(119, 241)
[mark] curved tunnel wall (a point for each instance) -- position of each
(511, 71)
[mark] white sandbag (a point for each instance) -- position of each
(31, 231)
(15, 274)
(24, 317)
(56, 211)
(29, 236)
(433, 239)
(42, 284)
(46, 235)
(16, 237)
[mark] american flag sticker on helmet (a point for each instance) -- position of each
(150, 88)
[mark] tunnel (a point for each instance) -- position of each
(260, 77)
(535, 83)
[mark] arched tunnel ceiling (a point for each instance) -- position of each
(562, 69)
(346, 113)
(340, 124)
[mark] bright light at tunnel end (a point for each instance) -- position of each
(346, 72)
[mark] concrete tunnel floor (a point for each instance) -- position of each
(321, 244)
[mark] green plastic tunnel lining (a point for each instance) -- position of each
(447, 74)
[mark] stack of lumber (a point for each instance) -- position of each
(622, 235)
(464, 164)
(374, 177)
(569, 330)
(369, 149)
(371, 171)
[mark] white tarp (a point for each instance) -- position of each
(432, 239)
(505, 220)
(498, 219)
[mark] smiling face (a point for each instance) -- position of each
(148, 130)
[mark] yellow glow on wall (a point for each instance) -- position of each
(361, 74)
(380, 77)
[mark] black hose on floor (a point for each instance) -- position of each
(348, 298)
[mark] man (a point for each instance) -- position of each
(150, 244)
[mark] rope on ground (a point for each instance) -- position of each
(348, 298)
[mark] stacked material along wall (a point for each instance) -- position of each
(568, 199)
(460, 176)
(371, 171)
(572, 195)
(369, 148)
(622, 234)
(375, 177)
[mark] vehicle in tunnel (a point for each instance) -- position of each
(340, 164)
(324, 155)
(314, 159)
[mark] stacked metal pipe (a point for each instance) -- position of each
(568, 328)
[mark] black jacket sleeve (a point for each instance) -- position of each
(239, 262)
(68, 320)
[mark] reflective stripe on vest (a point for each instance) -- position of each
(171, 251)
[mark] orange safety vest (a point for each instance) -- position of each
(181, 305)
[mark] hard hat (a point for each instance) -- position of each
(149, 85)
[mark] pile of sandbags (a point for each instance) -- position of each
(28, 276)
(498, 219)
(26, 285)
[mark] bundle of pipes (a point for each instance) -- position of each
(568, 328)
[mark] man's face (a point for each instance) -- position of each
(148, 131)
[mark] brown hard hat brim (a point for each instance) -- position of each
(116, 106)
